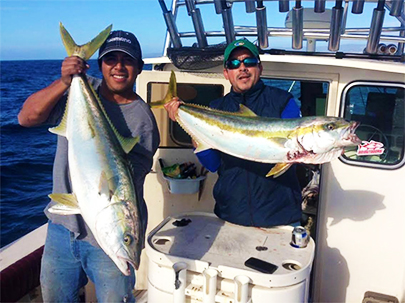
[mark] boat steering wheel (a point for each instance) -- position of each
(371, 131)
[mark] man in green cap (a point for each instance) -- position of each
(243, 195)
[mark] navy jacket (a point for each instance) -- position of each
(242, 193)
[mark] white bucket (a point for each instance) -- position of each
(184, 186)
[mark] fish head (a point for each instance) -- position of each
(120, 234)
(325, 134)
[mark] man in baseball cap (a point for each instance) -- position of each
(122, 41)
(240, 43)
(63, 273)
(242, 193)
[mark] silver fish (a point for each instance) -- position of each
(103, 189)
(245, 135)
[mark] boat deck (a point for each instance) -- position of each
(34, 296)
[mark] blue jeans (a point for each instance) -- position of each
(66, 264)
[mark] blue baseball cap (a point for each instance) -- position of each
(123, 42)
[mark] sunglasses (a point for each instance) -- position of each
(248, 62)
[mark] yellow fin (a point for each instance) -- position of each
(201, 146)
(61, 128)
(92, 131)
(245, 111)
(67, 204)
(103, 187)
(83, 51)
(278, 169)
(171, 92)
(127, 144)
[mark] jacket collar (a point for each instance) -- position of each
(250, 94)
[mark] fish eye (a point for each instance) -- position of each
(127, 239)
(330, 126)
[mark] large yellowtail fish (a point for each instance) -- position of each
(245, 135)
(103, 191)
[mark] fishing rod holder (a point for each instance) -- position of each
(250, 6)
(335, 27)
(197, 22)
(319, 6)
(358, 6)
(283, 6)
(297, 27)
(375, 30)
(322, 25)
(171, 25)
(261, 21)
(396, 7)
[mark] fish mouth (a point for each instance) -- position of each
(124, 265)
(350, 137)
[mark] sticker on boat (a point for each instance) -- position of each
(370, 148)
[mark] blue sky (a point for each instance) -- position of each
(30, 28)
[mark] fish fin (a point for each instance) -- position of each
(67, 204)
(103, 186)
(127, 144)
(278, 169)
(279, 141)
(92, 130)
(245, 111)
(201, 147)
(171, 92)
(61, 128)
(83, 51)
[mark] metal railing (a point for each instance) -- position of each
(337, 30)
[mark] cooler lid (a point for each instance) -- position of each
(203, 240)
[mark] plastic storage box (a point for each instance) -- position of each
(197, 257)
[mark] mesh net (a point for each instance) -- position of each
(194, 58)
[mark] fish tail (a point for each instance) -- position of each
(171, 92)
(83, 51)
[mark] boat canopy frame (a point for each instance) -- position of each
(333, 32)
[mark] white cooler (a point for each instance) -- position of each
(197, 257)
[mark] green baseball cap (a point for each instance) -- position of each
(240, 43)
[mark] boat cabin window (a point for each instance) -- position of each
(380, 110)
(309, 95)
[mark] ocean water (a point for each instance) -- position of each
(26, 153)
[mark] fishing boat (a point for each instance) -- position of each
(354, 206)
